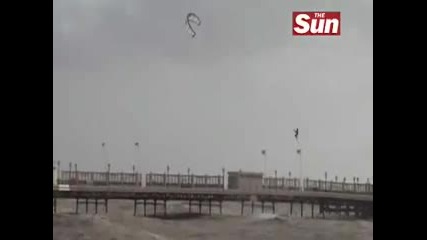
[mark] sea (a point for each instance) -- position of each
(179, 224)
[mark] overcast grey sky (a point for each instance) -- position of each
(127, 71)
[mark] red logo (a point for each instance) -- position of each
(316, 23)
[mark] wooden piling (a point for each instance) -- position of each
(134, 207)
(241, 210)
(220, 207)
(145, 207)
(54, 205)
(96, 205)
(252, 207)
(210, 205)
(189, 206)
(200, 207)
(165, 207)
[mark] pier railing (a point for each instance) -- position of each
(281, 183)
(316, 185)
(99, 178)
(204, 181)
(184, 180)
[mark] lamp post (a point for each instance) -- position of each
(105, 153)
(264, 153)
(223, 178)
(326, 180)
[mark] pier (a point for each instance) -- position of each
(209, 191)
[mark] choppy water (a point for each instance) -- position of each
(120, 224)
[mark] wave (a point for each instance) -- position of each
(268, 217)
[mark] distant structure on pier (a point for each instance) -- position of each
(55, 176)
(245, 181)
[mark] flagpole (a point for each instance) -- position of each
(299, 153)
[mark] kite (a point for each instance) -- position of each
(296, 133)
(192, 18)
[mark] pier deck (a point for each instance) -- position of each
(328, 202)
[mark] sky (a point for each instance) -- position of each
(127, 71)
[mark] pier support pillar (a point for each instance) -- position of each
(155, 206)
(77, 206)
(360, 210)
(322, 209)
(200, 207)
(262, 206)
(241, 210)
(165, 206)
(189, 206)
(347, 211)
(54, 205)
(274, 207)
(134, 207)
(323, 212)
(210, 205)
(106, 205)
(291, 207)
(145, 207)
(252, 207)
(302, 209)
(96, 205)
(312, 209)
(220, 207)
(87, 205)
